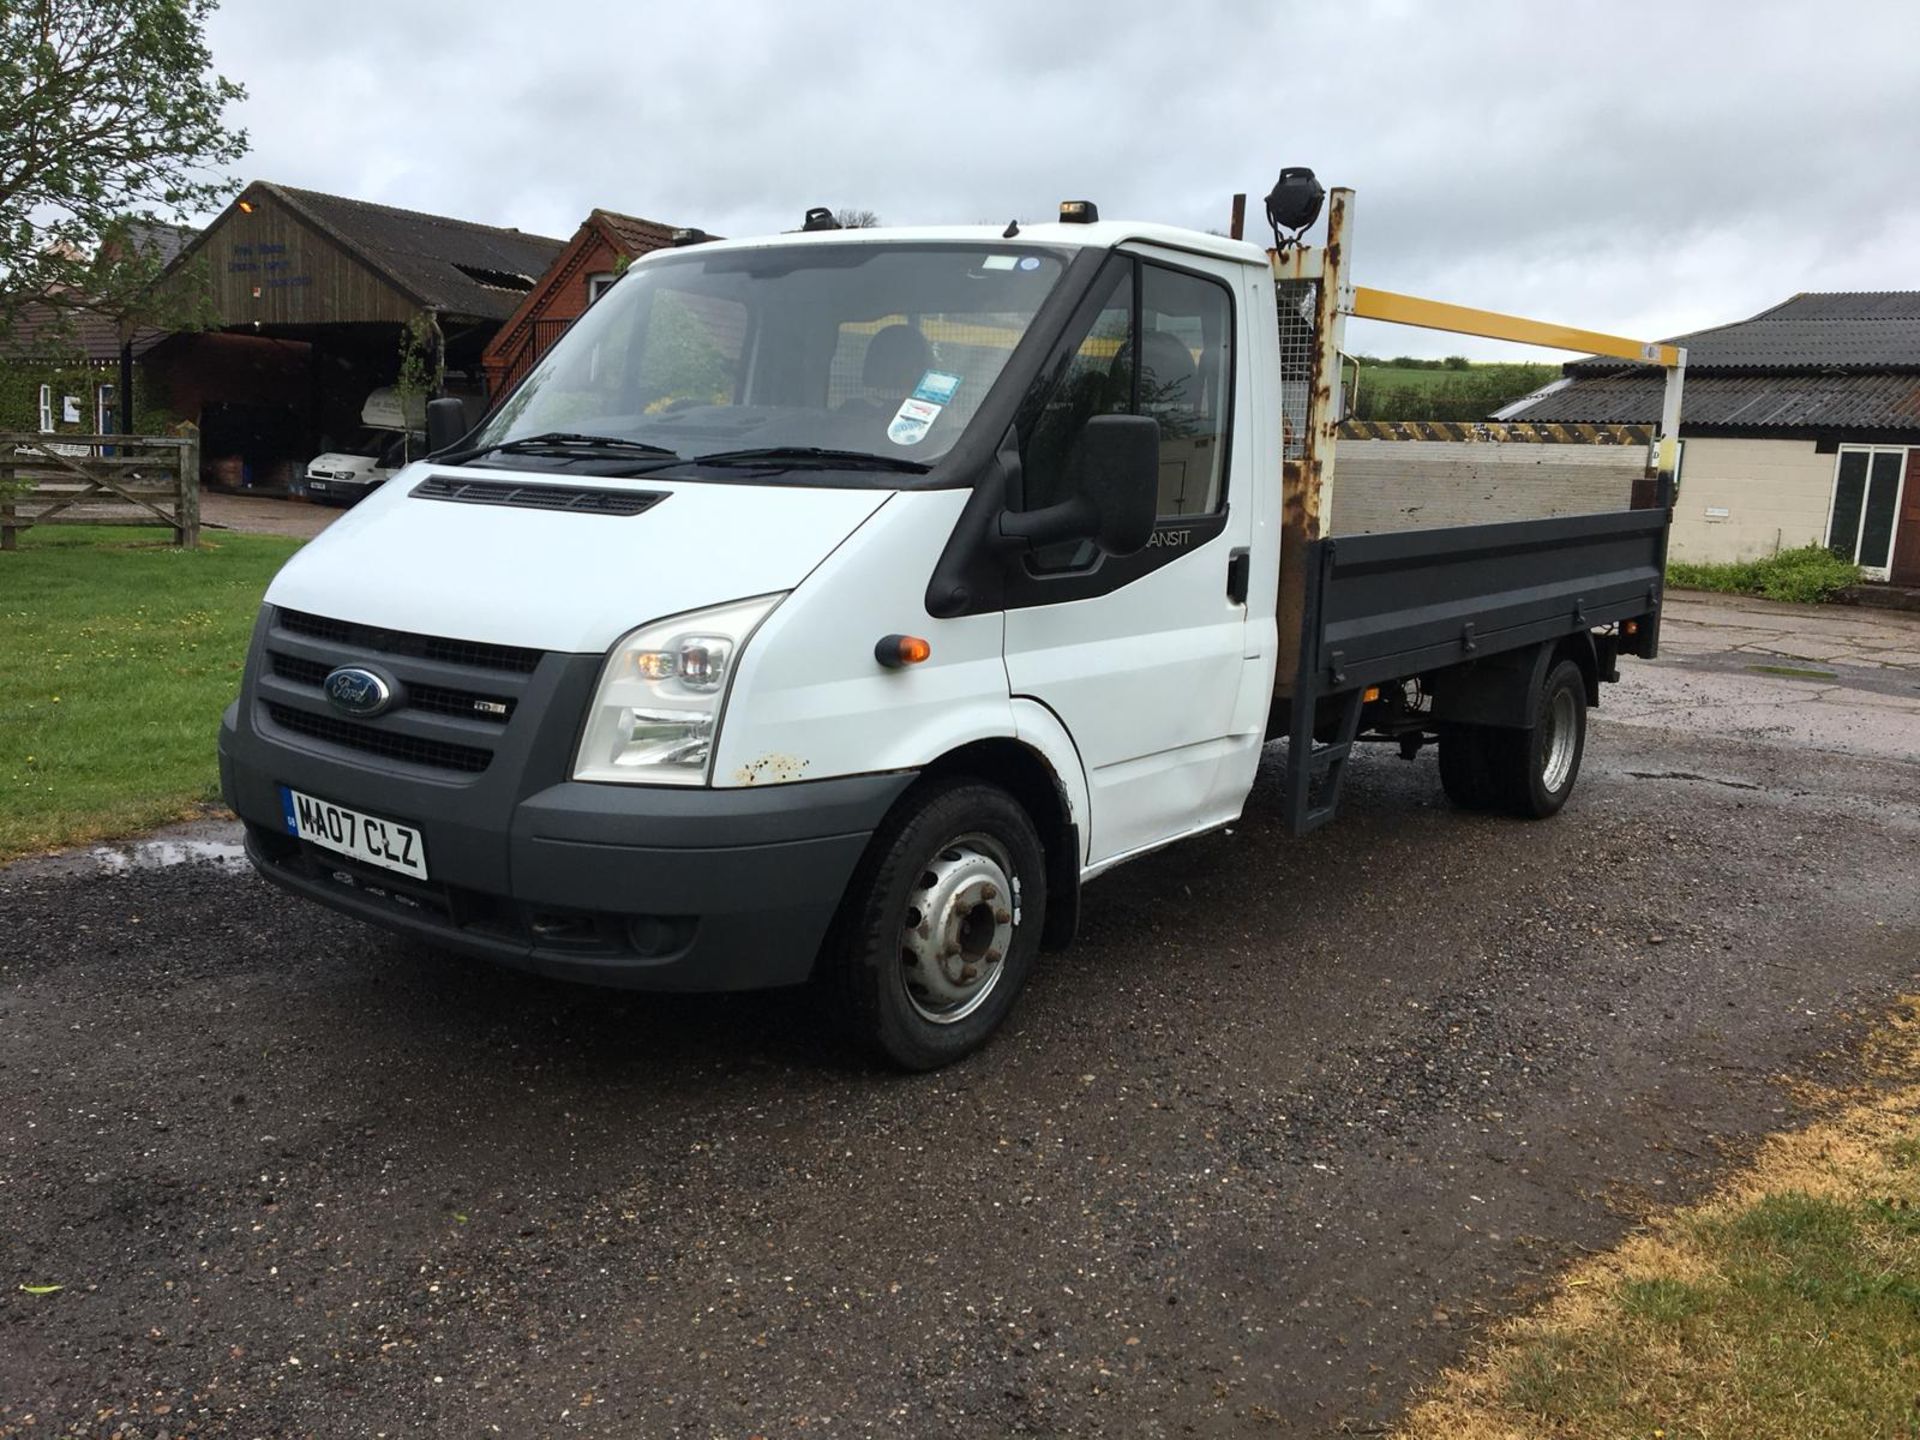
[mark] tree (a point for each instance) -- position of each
(112, 114)
(851, 218)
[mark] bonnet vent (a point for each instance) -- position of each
(580, 500)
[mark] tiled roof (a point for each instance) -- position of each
(43, 332)
(463, 268)
(159, 239)
(1838, 330)
(636, 236)
(1752, 401)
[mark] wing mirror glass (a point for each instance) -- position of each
(1114, 472)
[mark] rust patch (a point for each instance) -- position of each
(771, 770)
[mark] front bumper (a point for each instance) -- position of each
(338, 491)
(642, 887)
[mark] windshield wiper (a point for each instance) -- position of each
(563, 442)
(811, 457)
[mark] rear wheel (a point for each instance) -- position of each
(1535, 769)
(940, 925)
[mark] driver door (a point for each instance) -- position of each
(1142, 656)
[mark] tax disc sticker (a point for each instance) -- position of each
(936, 387)
(912, 421)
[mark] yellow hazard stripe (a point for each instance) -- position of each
(1461, 320)
(1498, 432)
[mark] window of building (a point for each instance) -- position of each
(598, 285)
(1176, 365)
(103, 413)
(1866, 499)
(46, 409)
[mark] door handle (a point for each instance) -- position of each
(1239, 569)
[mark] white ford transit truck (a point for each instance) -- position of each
(833, 606)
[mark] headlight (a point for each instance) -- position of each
(657, 708)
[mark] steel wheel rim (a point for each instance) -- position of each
(958, 928)
(1556, 762)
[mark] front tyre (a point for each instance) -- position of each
(940, 925)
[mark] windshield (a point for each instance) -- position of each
(873, 349)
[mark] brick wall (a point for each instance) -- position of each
(563, 296)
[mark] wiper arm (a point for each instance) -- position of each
(563, 441)
(812, 457)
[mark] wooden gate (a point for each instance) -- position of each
(100, 480)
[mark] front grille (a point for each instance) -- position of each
(474, 653)
(438, 699)
(575, 499)
(439, 754)
(301, 672)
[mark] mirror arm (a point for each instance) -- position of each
(1074, 519)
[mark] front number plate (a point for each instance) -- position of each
(386, 843)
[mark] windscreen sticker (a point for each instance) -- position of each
(936, 387)
(1029, 262)
(912, 421)
(999, 262)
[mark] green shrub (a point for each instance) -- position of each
(1808, 575)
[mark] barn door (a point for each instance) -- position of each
(1906, 538)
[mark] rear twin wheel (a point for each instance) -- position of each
(1526, 772)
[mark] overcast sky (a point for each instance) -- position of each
(1641, 168)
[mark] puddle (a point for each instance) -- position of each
(162, 854)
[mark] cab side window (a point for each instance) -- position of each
(1159, 344)
(1186, 383)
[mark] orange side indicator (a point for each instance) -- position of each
(894, 651)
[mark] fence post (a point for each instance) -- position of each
(187, 534)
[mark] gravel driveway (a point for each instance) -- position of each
(1257, 1157)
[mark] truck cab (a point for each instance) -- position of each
(821, 608)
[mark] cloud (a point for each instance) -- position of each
(1634, 166)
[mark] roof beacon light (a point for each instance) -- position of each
(1078, 212)
(819, 218)
(1292, 205)
(690, 235)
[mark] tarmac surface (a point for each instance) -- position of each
(1263, 1152)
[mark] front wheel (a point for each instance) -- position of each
(940, 926)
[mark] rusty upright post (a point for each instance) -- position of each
(1306, 487)
(1238, 230)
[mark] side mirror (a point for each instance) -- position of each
(446, 423)
(1115, 468)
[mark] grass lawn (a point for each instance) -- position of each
(120, 651)
(1526, 375)
(1786, 1308)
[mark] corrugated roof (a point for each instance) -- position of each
(1760, 402)
(459, 266)
(1818, 331)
